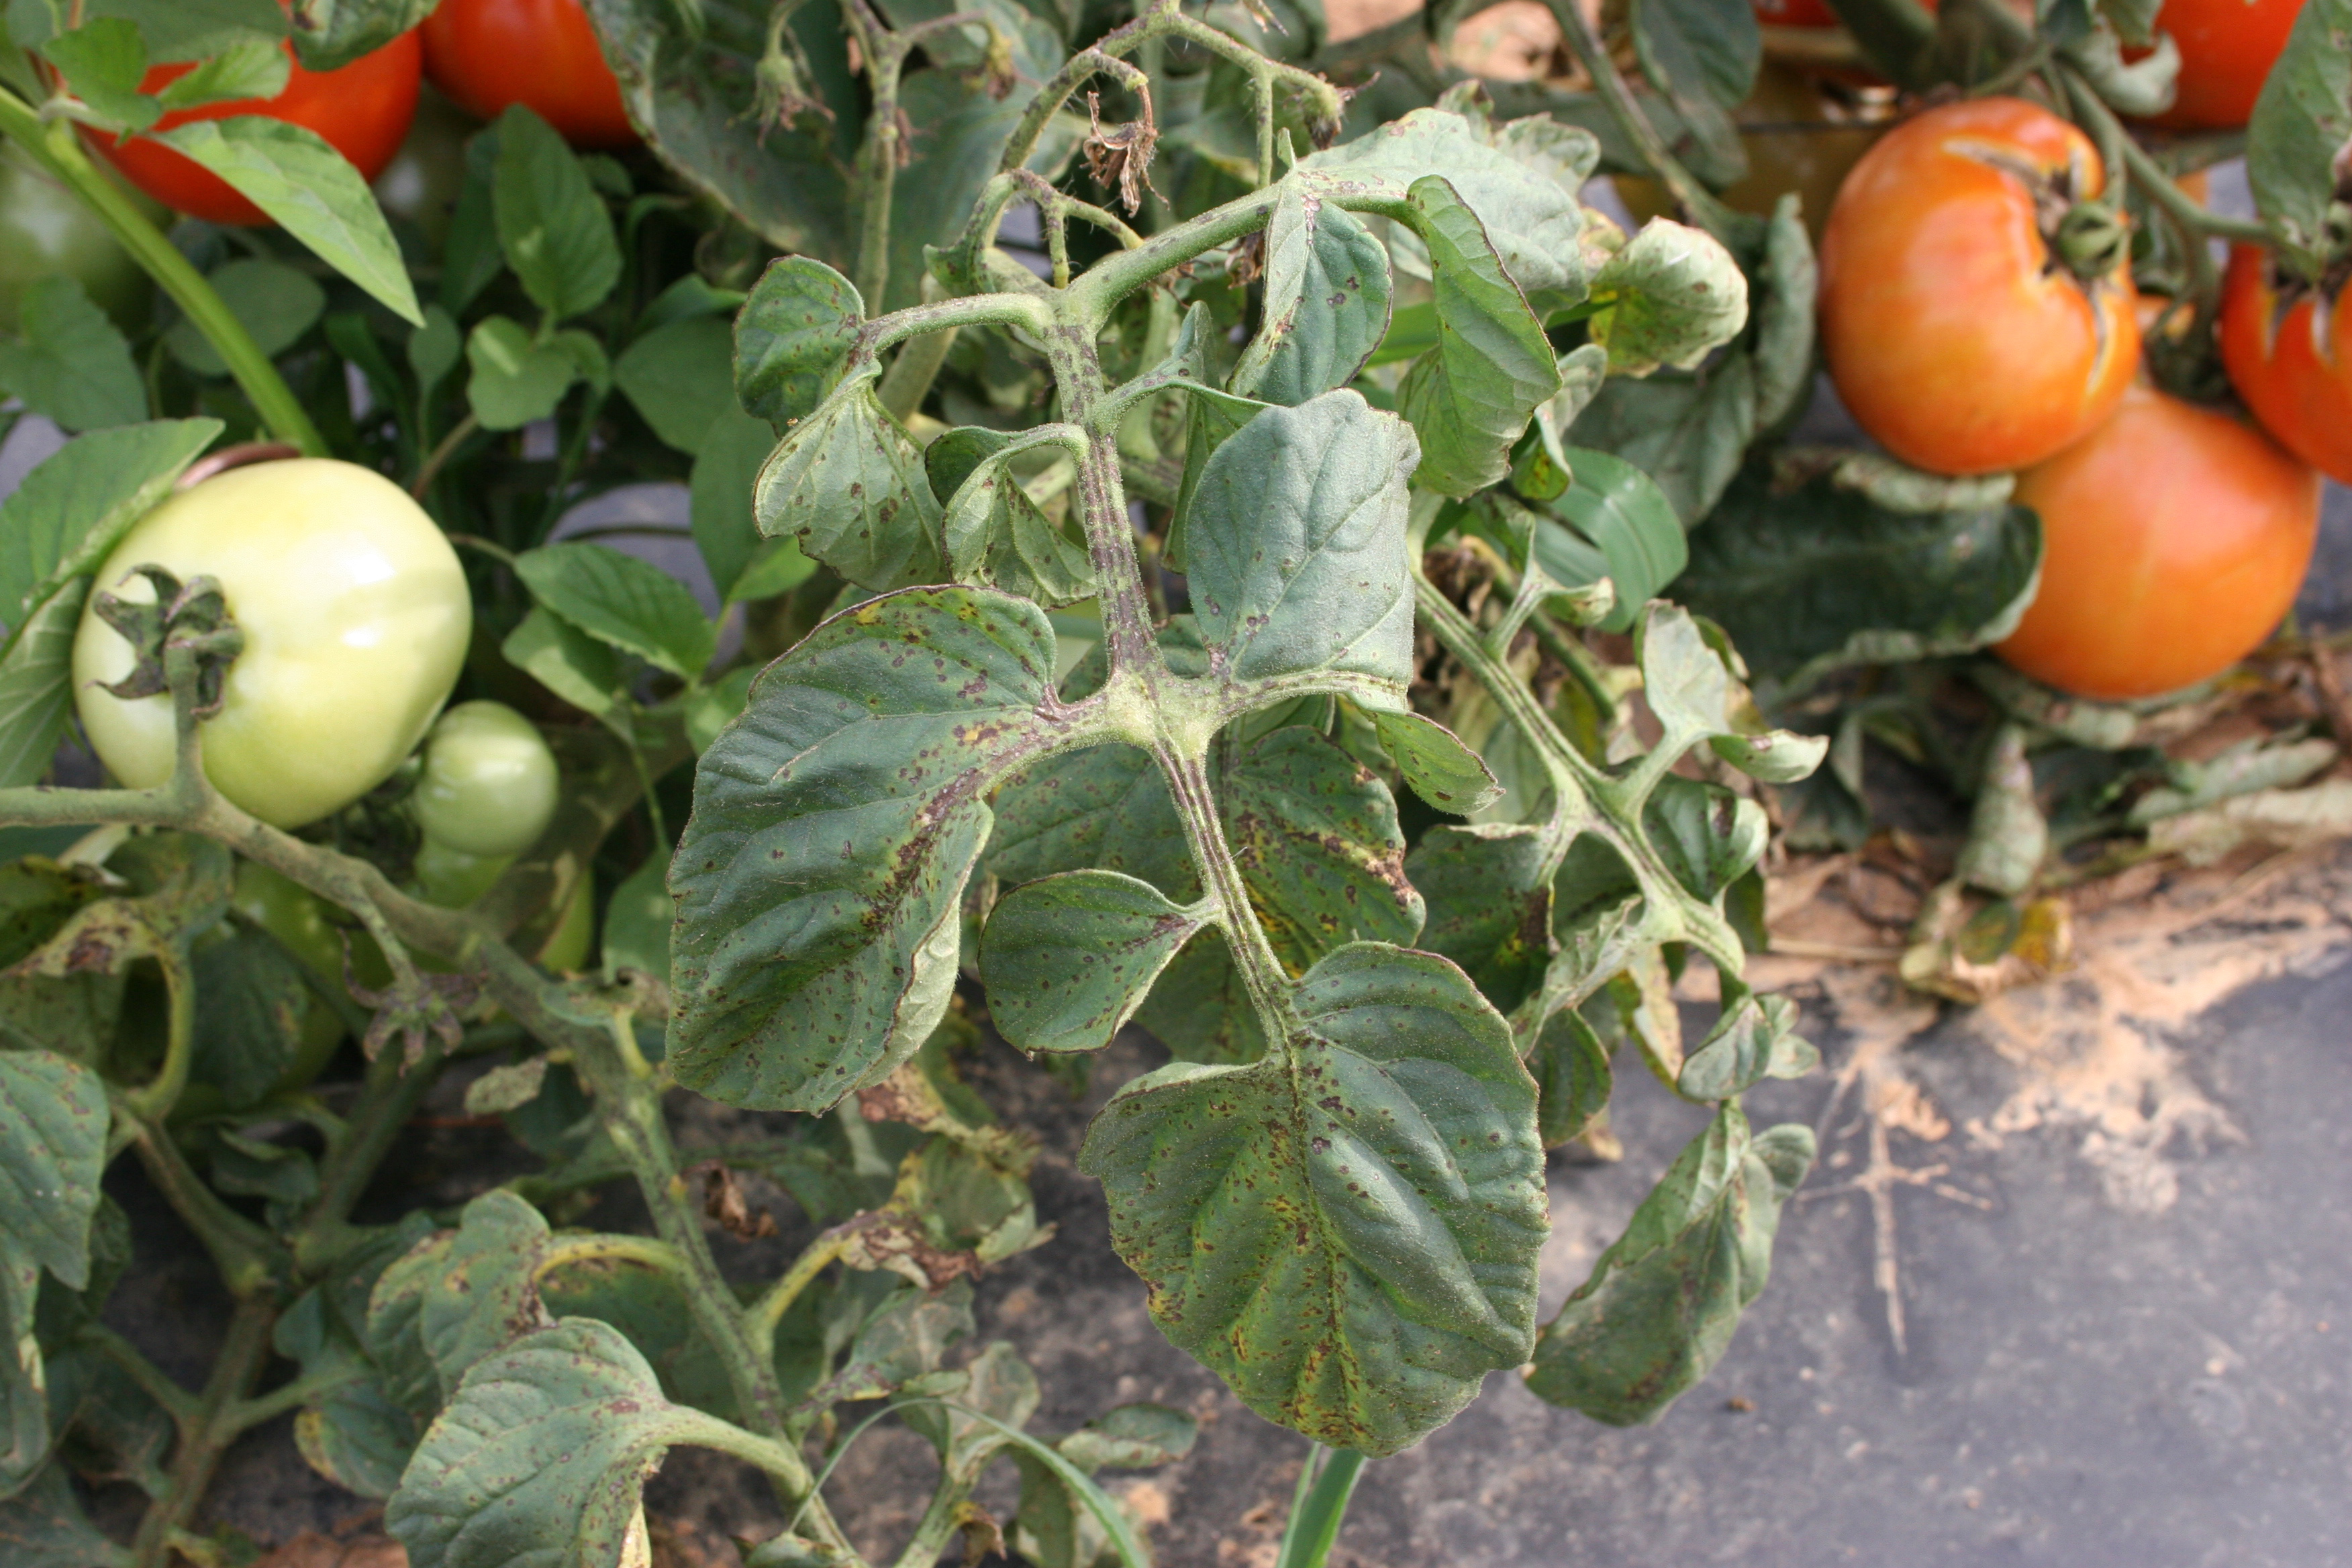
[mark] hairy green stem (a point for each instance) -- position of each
(60, 152)
(248, 1257)
(154, 1102)
(769, 1312)
(244, 1352)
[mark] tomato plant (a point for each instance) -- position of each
(2177, 537)
(355, 616)
(1250, 579)
(362, 110)
(488, 54)
(2290, 358)
(1965, 330)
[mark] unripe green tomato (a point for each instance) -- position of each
(452, 877)
(567, 946)
(489, 782)
(355, 616)
(46, 232)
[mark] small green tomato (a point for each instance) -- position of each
(489, 782)
(356, 615)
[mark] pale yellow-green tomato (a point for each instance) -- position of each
(355, 616)
(489, 782)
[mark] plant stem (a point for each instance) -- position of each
(60, 152)
(1317, 1510)
(248, 1257)
(443, 450)
(770, 1310)
(1696, 199)
(235, 1369)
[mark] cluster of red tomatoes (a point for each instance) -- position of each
(484, 54)
(1968, 337)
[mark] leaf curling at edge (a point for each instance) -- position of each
(836, 823)
(1663, 1302)
(1346, 1231)
(848, 483)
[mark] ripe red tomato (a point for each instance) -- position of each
(541, 54)
(2293, 365)
(1953, 334)
(1795, 13)
(2175, 538)
(362, 111)
(2227, 49)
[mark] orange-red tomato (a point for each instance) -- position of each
(1954, 335)
(2175, 538)
(541, 54)
(362, 111)
(1795, 13)
(2291, 366)
(2227, 49)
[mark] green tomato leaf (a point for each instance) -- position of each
(71, 363)
(630, 602)
(1613, 510)
(36, 685)
(1698, 48)
(103, 61)
(690, 80)
(552, 225)
(1327, 302)
(358, 1438)
(1687, 431)
(993, 533)
(276, 303)
(727, 463)
(1315, 837)
(44, 1526)
(250, 1025)
(53, 1125)
(1815, 578)
(173, 29)
(514, 379)
(638, 920)
(1489, 902)
(1347, 1231)
(541, 1455)
(1781, 295)
(1755, 1038)
(1671, 296)
(848, 483)
(835, 826)
(312, 191)
(793, 338)
(1295, 547)
(71, 511)
(1470, 397)
(254, 68)
(331, 34)
(433, 349)
(1521, 180)
(681, 378)
(1695, 697)
(1663, 1302)
(1573, 1075)
(1443, 771)
(576, 667)
(2300, 127)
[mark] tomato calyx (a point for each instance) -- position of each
(191, 615)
